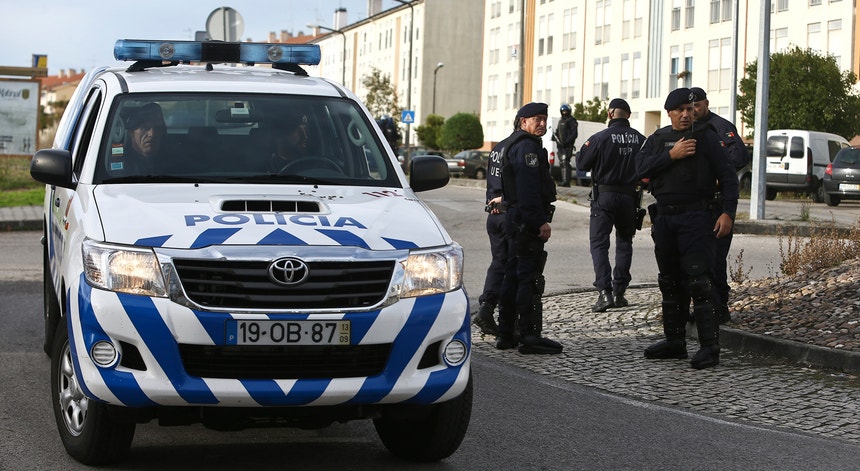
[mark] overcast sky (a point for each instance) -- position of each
(80, 34)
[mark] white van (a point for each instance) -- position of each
(796, 160)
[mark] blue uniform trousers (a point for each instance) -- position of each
(618, 210)
(499, 253)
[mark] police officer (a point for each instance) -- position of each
(739, 156)
(495, 207)
(611, 156)
(529, 191)
(684, 165)
(565, 137)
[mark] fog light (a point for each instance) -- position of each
(455, 352)
(103, 353)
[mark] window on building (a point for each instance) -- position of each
(782, 5)
(513, 41)
(626, 19)
(715, 11)
(637, 19)
(568, 29)
(548, 85)
(779, 40)
(492, 92)
(813, 36)
(834, 44)
(688, 65)
(690, 14)
(541, 35)
(601, 77)
(602, 29)
(550, 27)
(496, 9)
(674, 67)
(509, 91)
(493, 46)
(814, 3)
(637, 75)
(719, 64)
(626, 72)
(728, 10)
(676, 15)
(568, 81)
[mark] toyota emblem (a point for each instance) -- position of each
(288, 271)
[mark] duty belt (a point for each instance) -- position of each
(627, 190)
(669, 209)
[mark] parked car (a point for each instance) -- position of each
(842, 177)
(796, 160)
(475, 163)
(455, 166)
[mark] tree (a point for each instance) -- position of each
(462, 131)
(429, 132)
(381, 96)
(806, 91)
(592, 110)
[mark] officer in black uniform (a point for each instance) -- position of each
(565, 137)
(683, 164)
(495, 207)
(529, 191)
(739, 156)
(611, 156)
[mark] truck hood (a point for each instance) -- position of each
(194, 216)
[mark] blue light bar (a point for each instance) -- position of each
(216, 51)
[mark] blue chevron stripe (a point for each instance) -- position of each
(214, 237)
(158, 338)
(400, 244)
(130, 392)
(281, 237)
(344, 238)
(421, 319)
(156, 241)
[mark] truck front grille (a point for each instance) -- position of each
(246, 284)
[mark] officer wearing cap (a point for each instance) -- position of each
(610, 155)
(528, 191)
(145, 129)
(684, 164)
(739, 156)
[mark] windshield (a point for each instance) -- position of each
(240, 139)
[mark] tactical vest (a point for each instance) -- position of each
(509, 186)
(689, 176)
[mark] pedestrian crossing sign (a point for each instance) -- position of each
(407, 116)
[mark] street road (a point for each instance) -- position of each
(521, 419)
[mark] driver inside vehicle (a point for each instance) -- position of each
(291, 140)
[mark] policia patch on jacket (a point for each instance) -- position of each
(531, 160)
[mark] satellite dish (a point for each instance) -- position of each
(225, 24)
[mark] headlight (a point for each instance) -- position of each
(433, 272)
(123, 269)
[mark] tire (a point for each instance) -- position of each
(831, 200)
(86, 430)
(770, 194)
(818, 192)
(432, 437)
(480, 174)
(50, 303)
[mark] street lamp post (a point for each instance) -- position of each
(409, 81)
(438, 66)
(343, 59)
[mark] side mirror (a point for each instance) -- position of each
(53, 167)
(428, 172)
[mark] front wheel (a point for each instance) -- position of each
(86, 429)
(480, 174)
(432, 436)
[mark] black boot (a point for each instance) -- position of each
(484, 320)
(604, 301)
(674, 328)
(708, 330)
(506, 336)
(620, 300)
(531, 341)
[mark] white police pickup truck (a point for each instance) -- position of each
(237, 246)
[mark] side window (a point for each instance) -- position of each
(84, 132)
(834, 147)
(797, 147)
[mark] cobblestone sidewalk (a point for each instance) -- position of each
(604, 351)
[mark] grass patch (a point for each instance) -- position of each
(17, 187)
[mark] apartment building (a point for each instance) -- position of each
(499, 54)
(640, 50)
(447, 32)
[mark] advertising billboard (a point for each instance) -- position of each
(19, 116)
